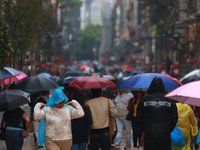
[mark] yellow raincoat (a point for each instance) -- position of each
(187, 123)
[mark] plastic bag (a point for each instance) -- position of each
(177, 137)
(41, 133)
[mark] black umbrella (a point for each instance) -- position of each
(36, 83)
(11, 99)
(55, 79)
(191, 78)
(74, 74)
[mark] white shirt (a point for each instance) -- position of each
(121, 102)
(58, 121)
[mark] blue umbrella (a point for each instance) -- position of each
(44, 74)
(66, 80)
(141, 82)
(8, 72)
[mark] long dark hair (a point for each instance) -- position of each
(135, 96)
(80, 99)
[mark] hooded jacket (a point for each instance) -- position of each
(156, 114)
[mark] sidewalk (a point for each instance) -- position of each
(30, 144)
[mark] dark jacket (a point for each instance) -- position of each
(81, 127)
(156, 114)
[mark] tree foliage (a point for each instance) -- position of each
(89, 38)
(163, 13)
(27, 20)
(5, 43)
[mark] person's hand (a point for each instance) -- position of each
(24, 134)
(42, 105)
(194, 137)
(69, 103)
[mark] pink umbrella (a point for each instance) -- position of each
(14, 79)
(188, 93)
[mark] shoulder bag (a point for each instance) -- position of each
(111, 123)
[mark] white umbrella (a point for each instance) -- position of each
(193, 72)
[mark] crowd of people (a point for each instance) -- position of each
(75, 119)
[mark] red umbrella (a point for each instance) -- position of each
(174, 79)
(91, 82)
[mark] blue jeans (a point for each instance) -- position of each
(100, 137)
(80, 146)
(121, 123)
(14, 140)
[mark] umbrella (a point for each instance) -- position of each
(174, 79)
(75, 74)
(141, 82)
(188, 93)
(191, 78)
(14, 78)
(36, 83)
(194, 72)
(91, 82)
(55, 79)
(66, 81)
(44, 74)
(83, 67)
(8, 72)
(11, 99)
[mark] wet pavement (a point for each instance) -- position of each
(30, 144)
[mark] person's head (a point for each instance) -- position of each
(61, 104)
(121, 91)
(96, 93)
(69, 92)
(156, 86)
(58, 99)
(138, 95)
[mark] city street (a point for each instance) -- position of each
(30, 144)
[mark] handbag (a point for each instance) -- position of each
(3, 134)
(129, 116)
(177, 137)
(111, 123)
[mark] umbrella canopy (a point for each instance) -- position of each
(91, 82)
(55, 79)
(8, 72)
(141, 82)
(75, 74)
(36, 83)
(44, 74)
(194, 72)
(66, 81)
(174, 79)
(191, 78)
(11, 99)
(188, 93)
(14, 79)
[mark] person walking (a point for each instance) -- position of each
(99, 133)
(187, 124)
(58, 114)
(17, 125)
(157, 116)
(137, 133)
(43, 98)
(121, 103)
(81, 126)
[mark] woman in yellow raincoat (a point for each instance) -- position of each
(187, 123)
